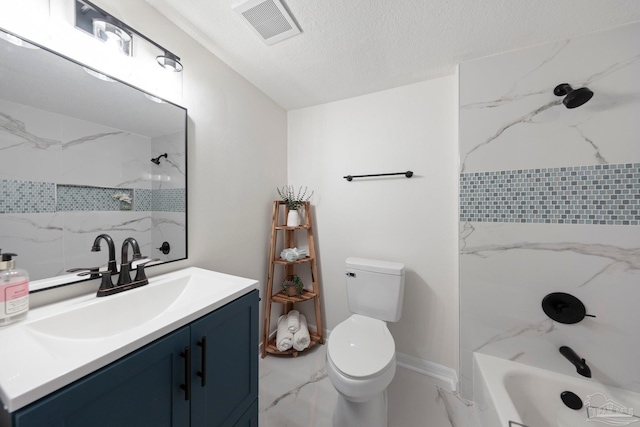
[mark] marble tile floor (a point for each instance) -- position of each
(296, 392)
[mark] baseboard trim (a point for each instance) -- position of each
(442, 376)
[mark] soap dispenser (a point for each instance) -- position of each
(14, 290)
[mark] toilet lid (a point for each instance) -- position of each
(361, 346)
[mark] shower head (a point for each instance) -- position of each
(156, 160)
(574, 97)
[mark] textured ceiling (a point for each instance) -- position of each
(353, 47)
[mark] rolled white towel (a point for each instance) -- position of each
(290, 254)
(301, 339)
(293, 321)
(284, 338)
(301, 253)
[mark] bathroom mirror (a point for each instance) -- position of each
(84, 154)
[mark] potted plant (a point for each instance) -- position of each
(293, 286)
(293, 200)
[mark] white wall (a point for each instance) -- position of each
(413, 221)
(237, 137)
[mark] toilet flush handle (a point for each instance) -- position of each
(350, 274)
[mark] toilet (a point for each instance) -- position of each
(361, 353)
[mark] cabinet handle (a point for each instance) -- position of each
(187, 373)
(203, 372)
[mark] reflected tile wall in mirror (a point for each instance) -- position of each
(91, 159)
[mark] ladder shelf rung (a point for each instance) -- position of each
(283, 299)
(300, 261)
(284, 227)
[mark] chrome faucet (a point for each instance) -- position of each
(125, 264)
(112, 265)
(580, 364)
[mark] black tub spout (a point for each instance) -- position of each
(580, 364)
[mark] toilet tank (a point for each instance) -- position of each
(375, 288)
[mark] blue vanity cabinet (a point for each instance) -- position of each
(230, 384)
(250, 418)
(137, 390)
(147, 387)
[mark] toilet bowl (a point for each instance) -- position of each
(361, 364)
(361, 360)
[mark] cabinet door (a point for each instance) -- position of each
(231, 363)
(141, 390)
(250, 418)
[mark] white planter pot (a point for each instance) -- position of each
(293, 218)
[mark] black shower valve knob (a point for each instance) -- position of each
(165, 248)
(564, 308)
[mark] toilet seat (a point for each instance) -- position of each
(361, 347)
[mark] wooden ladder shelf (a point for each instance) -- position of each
(289, 268)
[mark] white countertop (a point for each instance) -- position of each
(60, 343)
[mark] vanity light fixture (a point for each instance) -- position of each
(170, 62)
(103, 26)
(111, 32)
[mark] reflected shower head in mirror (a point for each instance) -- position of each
(574, 97)
(156, 160)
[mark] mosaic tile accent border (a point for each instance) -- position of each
(27, 197)
(85, 198)
(169, 200)
(143, 199)
(598, 194)
(18, 197)
(160, 200)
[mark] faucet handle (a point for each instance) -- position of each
(105, 284)
(93, 271)
(147, 261)
(140, 274)
(106, 281)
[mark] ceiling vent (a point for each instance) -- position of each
(268, 19)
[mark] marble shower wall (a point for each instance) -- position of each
(549, 202)
(169, 197)
(57, 185)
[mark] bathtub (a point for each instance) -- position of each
(510, 394)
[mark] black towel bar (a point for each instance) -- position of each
(408, 174)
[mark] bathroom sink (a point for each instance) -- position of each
(62, 342)
(112, 315)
